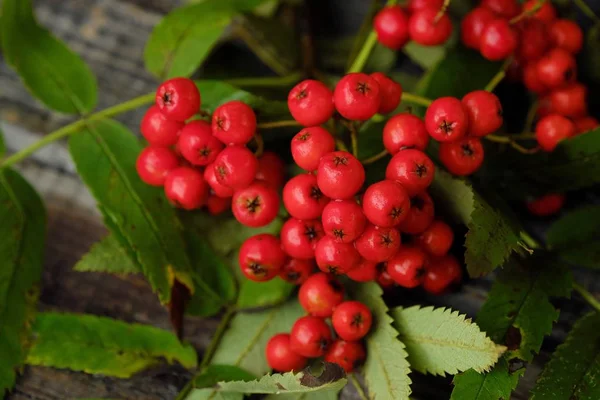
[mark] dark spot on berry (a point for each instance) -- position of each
(204, 152)
(421, 170)
(386, 240)
(467, 150)
(167, 98)
(420, 272)
(301, 94)
(339, 233)
(363, 88)
(221, 171)
(310, 232)
(569, 74)
(253, 204)
(335, 285)
(417, 202)
(380, 267)
(357, 319)
(304, 137)
(323, 343)
(447, 127)
(293, 276)
(339, 160)
(333, 269)
(257, 269)
(316, 193)
(396, 212)
(220, 122)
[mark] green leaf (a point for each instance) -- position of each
(591, 53)
(518, 313)
(227, 236)
(263, 294)
(50, 70)
(182, 40)
(573, 372)
(23, 231)
(439, 341)
(386, 369)
(243, 345)
(2, 144)
(327, 395)
(99, 345)
(107, 256)
(139, 216)
(210, 376)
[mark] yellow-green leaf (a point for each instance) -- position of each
(107, 256)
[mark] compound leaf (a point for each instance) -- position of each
(107, 256)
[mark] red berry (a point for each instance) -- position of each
(412, 169)
(514, 71)
(484, 111)
(334, 257)
(234, 123)
(567, 35)
(178, 99)
(420, 215)
(391, 26)
(463, 157)
(404, 131)
(235, 167)
(217, 205)
(343, 220)
(216, 186)
(357, 96)
(437, 239)
(347, 355)
(386, 203)
(365, 272)
(158, 130)
(390, 90)
(271, 169)
(416, 5)
(311, 103)
(280, 355)
(446, 119)
(533, 39)
(378, 244)
(154, 163)
(197, 144)
(320, 294)
(426, 27)
(498, 40)
(546, 13)
(351, 320)
(185, 187)
(303, 198)
(297, 271)
(504, 8)
(340, 175)
(299, 238)
(261, 257)
(557, 68)
(310, 337)
(407, 267)
(441, 272)
(385, 280)
(532, 80)
(255, 206)
(552, 129)
(546, 205)
(570, 101)
(309, 145)
(585, 124)
(472, 25)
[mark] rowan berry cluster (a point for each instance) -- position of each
(204, 163)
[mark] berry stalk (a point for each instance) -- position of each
(587, 296)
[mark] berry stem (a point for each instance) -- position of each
(530, 117)
(496, 79)
(77, 126)
(363, 54)
(260, 145)
(587, 10)
(442, 11)
(509, 140)
(277, 124)
(527, 13)
(354, 139)
(587, 296)
(375, 158)
(358, 387)
(416, 99)
(340, 145)
(268, 81)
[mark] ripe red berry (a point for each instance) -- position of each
(261, 257)
(420, 215)
(343, 220)
(437, 239)
(472, 26)
(552, 129)
(351, 320)
(532, 80)
(158, 130)
(504, 8)
(557, 68)
(297, 271)
(280, 355)
(154, 163)
(309, 145)
(416, 5)
(197, 144)
(310, 337)
(178, 99)
(426, 27)
(533, 39)
(546, 13)
(391, 92)
(365, 272)
(311, 103)
(320, 294)
(498, 40)
(217, 205)
(570, 101)
(340, 175)
(271, 169)
(235, 167)
(386, 203)
(300, 237)
(441, 272)
(585, 124)
(303, 198)
(412, 169)
(347, 355)
(378, 244)
(391, 26)
(234, 123)
(385, 281)
(463, 157)
(217, 187)
(567, 35)
(185, 187)
(404, 131)
(357, 96)
(407, 267)
(546, 205)
(446, 119)
(255, 206)
(334, 257)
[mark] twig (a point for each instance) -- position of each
(216, 339)
(508, 140)
(530, 117)
(528, 12)
(498, 77)
(442, 11)
(586, 10)
(416, 99)
(277, 124)
(375, 158)
(260, 145)
(587, 296)
(340, 145)
(363, 55)
(354, 139)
